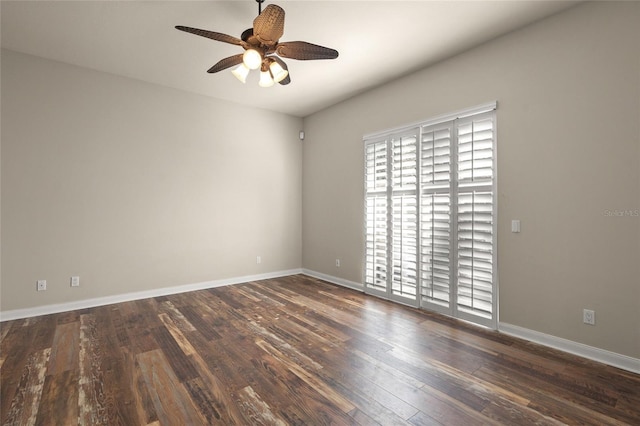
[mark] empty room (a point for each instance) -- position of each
(320, 212)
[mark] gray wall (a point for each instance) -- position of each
(568, 92)
(136, 187)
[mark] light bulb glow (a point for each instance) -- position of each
(265, 79)
(278, 72)
(241, 72)
(252, 59)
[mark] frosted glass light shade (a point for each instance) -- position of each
(278, 72)
(241, 72)
(265, 79)
(252, 59)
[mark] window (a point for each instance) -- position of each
(430, 215)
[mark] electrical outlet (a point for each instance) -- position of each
(589, 316)
(41, 285)
(337, 263)
(75, 281)
(258, 260)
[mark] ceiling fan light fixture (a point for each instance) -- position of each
(263, 49)
(252, 59)
(241, 72)
(278, 72)
(265, 79)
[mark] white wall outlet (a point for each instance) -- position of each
(75, 281)
(258, 260)
(337, 263)
(41, 285)
(515, 226)
(589, 316)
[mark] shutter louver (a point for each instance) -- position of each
(435, 220)
(475, 253)
(475, 150)
(404, 227)
(435, 270)
(405, 162)
(376, 164)
(376, 244)
(404, 215)
(436, 157)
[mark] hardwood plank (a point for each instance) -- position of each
(118, 393)
(59, 402)
(170, 399)
(120, 326)
(201, 321)
(545, 398)
(168, 308)
(174, 354)
(311, 379)
(291, 397)
(17, 348)
(141, 401)
(207, 391)
(64, 355)
(91, 391)
(4, 329)
(256, 410)
(24, 405)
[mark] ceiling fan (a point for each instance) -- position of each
(263, 49)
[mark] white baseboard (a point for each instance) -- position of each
(334, 280)
(611, 358)
(606, 357)
(127, 297)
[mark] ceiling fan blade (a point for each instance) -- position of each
(212, 35)
(287, 79)
(226, 63)
(268, 27)
(304, 51)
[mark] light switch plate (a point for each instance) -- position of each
(515, 225)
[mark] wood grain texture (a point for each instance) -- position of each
(293, 351)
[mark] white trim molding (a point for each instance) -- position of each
(128, 297)
(610, 358)
(334, 280)
(489, 106)
(596, 354)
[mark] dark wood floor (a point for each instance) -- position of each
(292, 350)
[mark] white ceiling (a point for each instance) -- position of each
(378, 41)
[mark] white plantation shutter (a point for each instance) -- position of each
(475, 149)
(376, 178)
(404, 251)
(435, 219)
(475, 218)
(475, 253)
(430, 215)
(404, 215)
(391, 216)
(436, 265)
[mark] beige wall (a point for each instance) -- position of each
(136, 187)
(568, 92)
